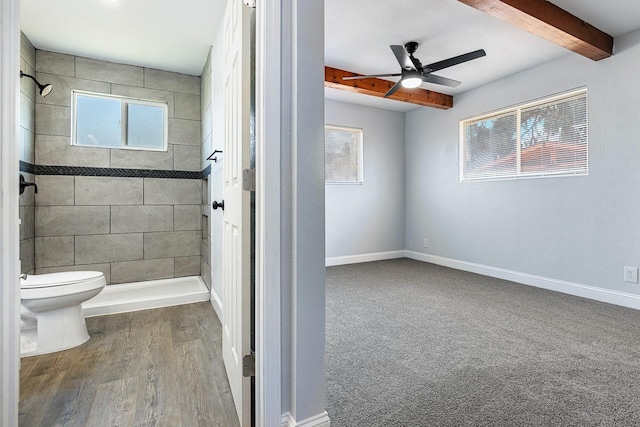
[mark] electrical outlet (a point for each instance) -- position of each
(411, 245)
(426, 242)
(631, 274)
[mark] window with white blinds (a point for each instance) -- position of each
(543, 138)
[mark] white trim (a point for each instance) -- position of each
(585, 291)
(354, 259)
(268, 391)
(9, 231)
(320, 420)
(216, 302)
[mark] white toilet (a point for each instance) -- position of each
(51, 310)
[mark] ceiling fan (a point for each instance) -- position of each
(413, 73)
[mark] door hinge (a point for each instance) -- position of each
(249, 180)
(249, 365)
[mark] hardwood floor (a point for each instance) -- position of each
(159, 367)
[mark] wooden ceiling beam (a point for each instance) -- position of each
(378, 87)
(547, 20)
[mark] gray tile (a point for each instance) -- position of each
(55, 63)
(148, 94)
(137, 271)
(94, 69)
(27, 255)
(206, 227)
(27, 222)
(27, 151)
(187, 106)
(27, 198)
(53, 120)
(54, 251)
(205, 273)
(28, 86)
(71, 220)
(27, 112)
(158, 191)
(175, 82)
(63, 85)
(187, 266)
(58, 151)
(108, 248)
(55, 190)
(99, 190)
(184, 132)
(187, 217)
(186, 158)
(204, 250)
(27, 51)
(104, 268)
(138, 219)
(171, 244)
(138, 159)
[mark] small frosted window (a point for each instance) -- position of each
(145, 128)
(343, 155)
(98, 122)
(110, 121)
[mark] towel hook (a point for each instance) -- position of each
(211, 157)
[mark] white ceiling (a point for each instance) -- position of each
(167, 35)
(176, 36)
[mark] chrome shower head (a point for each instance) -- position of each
(44, 89)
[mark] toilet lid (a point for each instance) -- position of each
(58, 279)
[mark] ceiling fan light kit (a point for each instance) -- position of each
(413, 73)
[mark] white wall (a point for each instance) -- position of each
(367, 219)
(578, 229)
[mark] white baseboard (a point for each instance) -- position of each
(591, 292)
(216, 302)
(354, 259)
(320, 420)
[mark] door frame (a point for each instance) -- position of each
(268, 257)
(9, 229)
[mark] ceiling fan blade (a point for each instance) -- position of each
(371, 76)
(432, 78)
(403, 57)
(394, 88)
(454, 61)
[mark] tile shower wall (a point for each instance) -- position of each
(26, 155)
(132, 229)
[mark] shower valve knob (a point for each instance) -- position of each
(217, 205)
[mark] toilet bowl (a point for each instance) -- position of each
(51, 310)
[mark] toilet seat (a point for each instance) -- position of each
(58, 279)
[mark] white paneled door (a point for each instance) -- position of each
(236, 257)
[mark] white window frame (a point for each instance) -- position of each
(124, 103)
(517, 109)
(360, 132)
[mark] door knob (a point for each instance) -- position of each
(217, 205)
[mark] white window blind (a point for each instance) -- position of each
(545, 138)
(343, 155)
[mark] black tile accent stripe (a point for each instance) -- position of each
(27, 167)
(112, 172)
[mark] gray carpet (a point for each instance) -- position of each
(415, 344)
